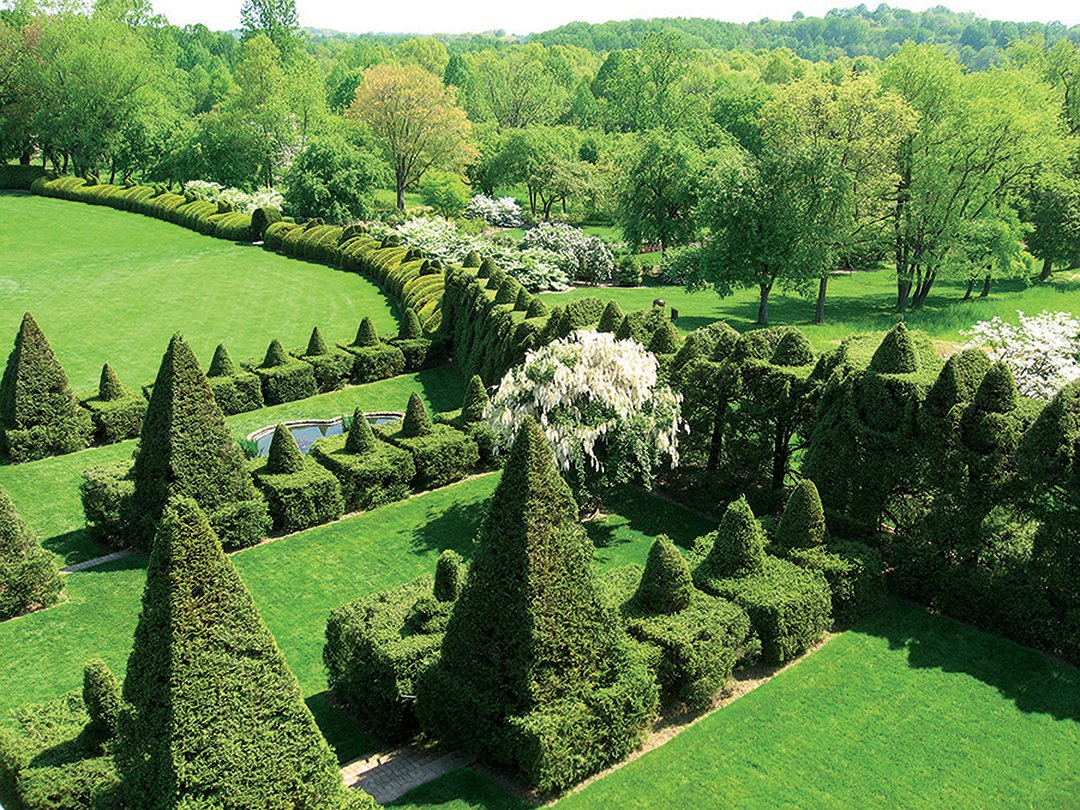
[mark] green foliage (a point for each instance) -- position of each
(476, 400)
(378, 362)
(186, 449)
(531, 649)
(611, 317)
(275, 355)
(284, 456)
(803, 523)
(261, 219)
(299, 492)
(417, 420)
(334, 179)
(370, 474)
(665, 340)
(736, 549)
(488, 268)
(410, 328)
(222, 365)
(214, 709)
(666, 584)
(793, 350)
(39, 414)
(997, 391)
(316, 344)
(472, 259)
(101, 694)
(896, 354)
(109, 387)
(855, 573)
(441, 454)
(537, 308)
(331, 366)
(116, 412)
(366, 334)
(445, 192)
(450, 573)
(28, 575)
(105, 492)
(958, 381)
(360, 438)
(285, 378)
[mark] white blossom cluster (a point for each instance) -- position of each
(584, 257)
(584, 390)
(503, 212)
(1043, 351)
(237, 200)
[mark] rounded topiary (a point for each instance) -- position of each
(739, 545)
(896, 353)
(610, 318)
(449, 576)
(410, 328)
(665, 340)
(488, 268)
(316, 344)
(28, 574)
(537, 308)
(476, 400)
(222, 365)
(793, 350)
(360, 438)
(275, 355)
(997, 391)
(262, 218)
(803, 523)
(366, 335)
(726, 340)
(472, 259)
(666, 584)
(109, 386)
(284, 457)
(417, 421)
(101, 695)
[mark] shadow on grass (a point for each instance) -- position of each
(646, 514)
(346, 738)
(1036, 683)
(461, 788)
(75, 547)
(454, 527)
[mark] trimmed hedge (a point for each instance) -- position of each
(299, 492)
(332, 366)
(117, 412)
(441, 454)
(105, 492)
(854, 572)
(235, 390)
(28, 575)
(373, 475)
(284, 378)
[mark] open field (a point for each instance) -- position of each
(112, 286)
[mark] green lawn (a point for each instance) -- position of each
(112, 286)
(857, 302)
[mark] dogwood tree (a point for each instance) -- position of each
(1043, 351)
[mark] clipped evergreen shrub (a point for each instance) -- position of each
(417, 421)
(802, 524)
(896, 353)
(28, 575)
(854, 572)
(441, 454)
(101, 695)
(537, 308)
(611, 317)
(372, 359)
(666, 584)
(105, 491)
(450, 573)
(235, 390)
(39, 414)
(186, 449)
(285, 378)
(665, 340)
(475, 401)
(262, 218)
(416, 348)
(213, 710)
(535, 672)
(472, 259)
(299, 492)
(735, 549)
(793, 350)
(488, 268)
(331, 366)
(370, 471)
(117, 412)
(469, 419)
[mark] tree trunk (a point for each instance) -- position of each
(986, 287)
(400, 191)
(823, 285)
(24, 158)
(763, 304)
(903, 290)
(967, 292)
(716, 445)
(780, 456)
(1047, 269)
(923, 289)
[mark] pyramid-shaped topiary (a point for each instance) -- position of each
(997, 391)
(666, 584)
(39, 414)
(275, 355)
(488, 268)
(521, 304)
(472, 259)
(366, 334)
(665, 340)
(507, 293)
(803, 523)
(738, 546)
(213, 715)
(958, 380)
(537, 308)
(316, 346)
(109, 386)
(476, 400)
(28, 574)
(896, 353)
(611, 317)
(284, 457)
(417, 420)
(410, 328)
(117, 413)
(793, 350)
(186, 449)
(222, 364)
(531, 646)
(360, 438)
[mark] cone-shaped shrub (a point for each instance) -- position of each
(793, 350)
(958, 380)
(39, 413)
(472, 259)
(997, 391)
(284, 456)
(28, 574)
(410, 328)
(417, 421)
(611, 317)
(896, 354)
(360, 439)
(665, 340)
(507, 293)
(366, 335)
(186, 449)
(537, 308)
(488, 268)
(316, 344)
(625, 330)
(738, 547)
(109, 386)
(523, 300)
(666, 584)
(476, 399)
(212, 708)
(449, 576)
(101, 695)
(222, 365)
(275, 355)
(803, 523)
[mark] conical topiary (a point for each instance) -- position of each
(521, 304)
(666, 584)
(222, 365)
(537, 308)
(476, 400)
(101, 696)
(366, 335)
(360, 438)
(34, 393)
(958, 380)
(472, 259)
(793, 350)
(625, 330)
(738, 546)
(284, 457)
(410, 328)
(449, 576)
(896, 354)
(803, 523)
(495, 281)
(109, 386)
(665, 340)
(316, 344)
(28, 573)
(185, 447)
(997, 391)
(275, 355)
(213, 713)
(417, 421)
(611, 317)
(488, 268)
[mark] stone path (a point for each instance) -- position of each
(116, 555)
(390, 775)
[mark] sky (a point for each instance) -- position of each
(449, 17)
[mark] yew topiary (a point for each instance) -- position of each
(417, 421)
(793, 350)
(275, 355)
(896, 354)
(410, 328)
(537, 308)
(611, 318)
(737, 547)
(997, 391)
(802, 524)
(366, 334)
(316, 344)
(476, 400)
(109, 387)
(101, 695)
(488, 268)
(222, 364)
(28, 574)
(665, 340)
(958, 380)
(450, 575)
(360, 437)
(666, 584)
(472, 259)
(284, 456)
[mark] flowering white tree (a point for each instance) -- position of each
(584, 257)
(236, 199)
(503, 212)
(600, 404)
(1043, 351)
